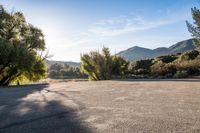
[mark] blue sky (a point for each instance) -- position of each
(72, 27)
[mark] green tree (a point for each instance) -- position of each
(92, 65)
(119, 66)
(141, 67)
(195, 29)
(102, 66)
(20, 45)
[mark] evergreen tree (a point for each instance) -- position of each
(195, 29)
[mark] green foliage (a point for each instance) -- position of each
(140, 67)
(119, 66)
(166, 58)
(102, 66)
(190, 55)
(162, 69)
(57, 71)
(20, 44)
(168, 66)
(192, 67)
(92, 64)
(97, 67)
(195, 29)
(181, 74)
(163, 65)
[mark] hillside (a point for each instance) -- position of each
(139, 53)
(70, 63)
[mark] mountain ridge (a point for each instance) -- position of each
(138, 53)
(70, 63)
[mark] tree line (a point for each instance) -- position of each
(103, 66)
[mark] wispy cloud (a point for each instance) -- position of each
(116, 26)
(126, 24)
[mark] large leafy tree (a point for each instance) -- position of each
(102, 66)
(21, 45)
(195, 28)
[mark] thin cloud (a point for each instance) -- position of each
(126, 24)
(118, 26)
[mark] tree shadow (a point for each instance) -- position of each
(21, 116)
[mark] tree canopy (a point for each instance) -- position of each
(102, 66)
(21, 45)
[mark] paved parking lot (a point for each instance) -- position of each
(103, 106)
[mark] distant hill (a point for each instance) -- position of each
(139, 53)
(70, 63)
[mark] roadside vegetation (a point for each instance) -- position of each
(64, 71)
(183, 65)
(169, 66)
(103, 66)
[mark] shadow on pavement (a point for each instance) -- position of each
(21, 116)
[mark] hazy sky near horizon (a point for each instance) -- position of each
(72, 27)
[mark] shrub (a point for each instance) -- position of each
(190, 55)
(181, 74)
(157, 68)
(167, 71)
(102, 66)
(167, 58)
(192, 67)
(140, 67)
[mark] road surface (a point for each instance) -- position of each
(102, 107)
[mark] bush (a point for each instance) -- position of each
(191, 55)
(167, 58)
(193, 71)
(157, 69)
(181, 74)
(140, 67)
(103, 66)
(192, 67)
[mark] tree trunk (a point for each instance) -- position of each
(6, 79)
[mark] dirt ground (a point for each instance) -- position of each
(102, 107)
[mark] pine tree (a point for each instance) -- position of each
(195, 28)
